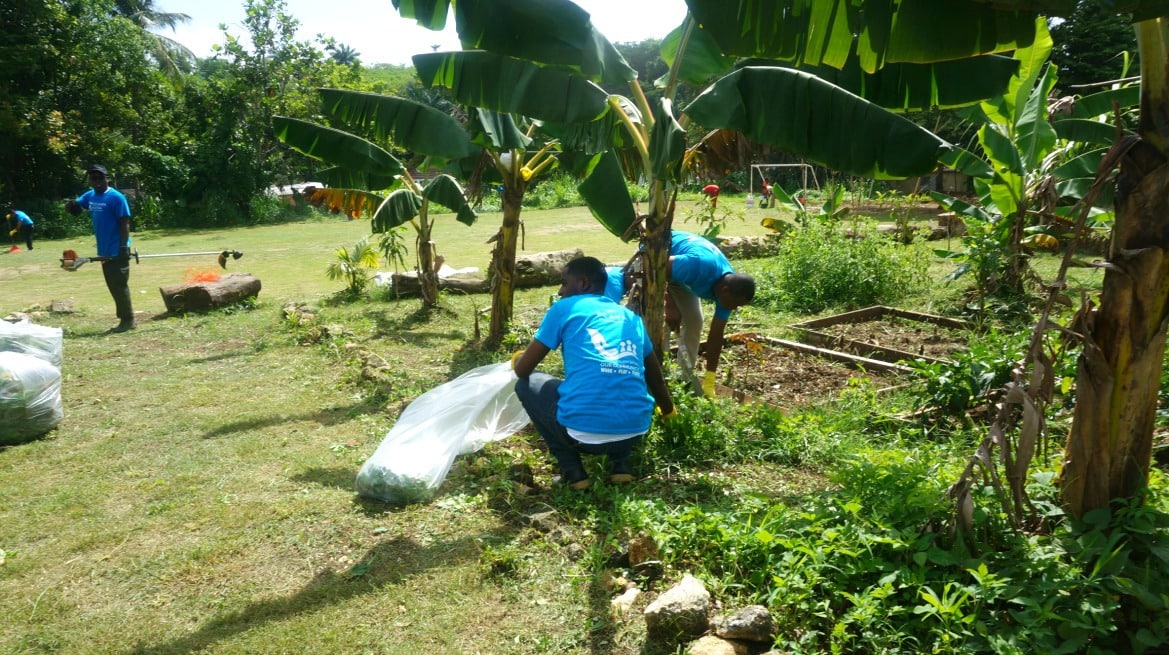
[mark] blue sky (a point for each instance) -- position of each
(373, 28)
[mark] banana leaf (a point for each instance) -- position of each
(509, 85)
(917, 87)
(606, 195)
(336, 147)
(701, 60)
(825, 124)
(498, 131)
(399, 207)
(409, 124)
(553, 32)
(815, 32)
(444, 190)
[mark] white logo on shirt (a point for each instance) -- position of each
(625, 349)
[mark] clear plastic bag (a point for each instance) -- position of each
(455, 418)
(32, 339)
(30, 397)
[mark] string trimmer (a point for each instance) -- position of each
(71, 262)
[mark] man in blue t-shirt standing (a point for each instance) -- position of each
(612, 378)
(110, 214)
(22, 225)
(698, 270)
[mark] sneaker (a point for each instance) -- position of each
(124, 326)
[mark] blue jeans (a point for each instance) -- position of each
(540, 396)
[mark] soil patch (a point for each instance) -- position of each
(789, 379)
(897, 333)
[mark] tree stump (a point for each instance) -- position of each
(204, 296)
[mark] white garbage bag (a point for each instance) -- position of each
(32, 339)
(30, 397)
(452, 419)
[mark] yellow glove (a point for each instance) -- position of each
(671, 416)
(708, 384)
(12, 233)
(514, 357)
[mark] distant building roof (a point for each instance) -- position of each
(293, 189)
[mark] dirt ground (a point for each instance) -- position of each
(914, 337)
(788, 379)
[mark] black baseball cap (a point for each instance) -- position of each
(97, 168)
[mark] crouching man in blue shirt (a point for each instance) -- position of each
(612, 378)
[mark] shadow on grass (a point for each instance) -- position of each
(388, 563)
(339, 478)
(421, 327)
(329, 416)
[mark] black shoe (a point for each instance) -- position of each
(124, 326)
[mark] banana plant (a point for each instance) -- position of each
(1016, 140)
(365, 178)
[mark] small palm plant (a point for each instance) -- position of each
(354, 266)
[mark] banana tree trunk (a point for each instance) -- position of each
(427, 276)
(657, 254)
(1109, 448)
(503, 264)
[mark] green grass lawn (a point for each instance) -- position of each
(198, 495)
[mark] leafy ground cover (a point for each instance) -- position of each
(198, 495)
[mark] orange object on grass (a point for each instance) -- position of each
(194, 275)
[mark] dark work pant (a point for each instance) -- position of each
(540, 396)
(117, 274)
(26, 232)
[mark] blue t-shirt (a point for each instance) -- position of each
(106, 211)
(698, 264)
(615, 285)
(604, 347)
(22, 218)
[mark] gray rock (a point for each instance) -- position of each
(751, 623)
(679, 614)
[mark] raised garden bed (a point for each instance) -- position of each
(787, 374)
(888, 334)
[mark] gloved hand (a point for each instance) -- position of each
(73, 207)
(12, 233)
(124, 256)
(667, 417)
(514, 357)
(708, 384)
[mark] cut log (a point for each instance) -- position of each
(543, 268)
(204, 296)
(536, 270)
(406, 284)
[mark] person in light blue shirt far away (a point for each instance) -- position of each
(612, 377)
(110, 214)
(697, 270)
(21, 224)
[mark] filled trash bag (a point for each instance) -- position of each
(30, 397)
(452, 419)
(32, 339)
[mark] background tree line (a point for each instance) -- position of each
(89, 81)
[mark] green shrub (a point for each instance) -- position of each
(819, 266)
(553, 192)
